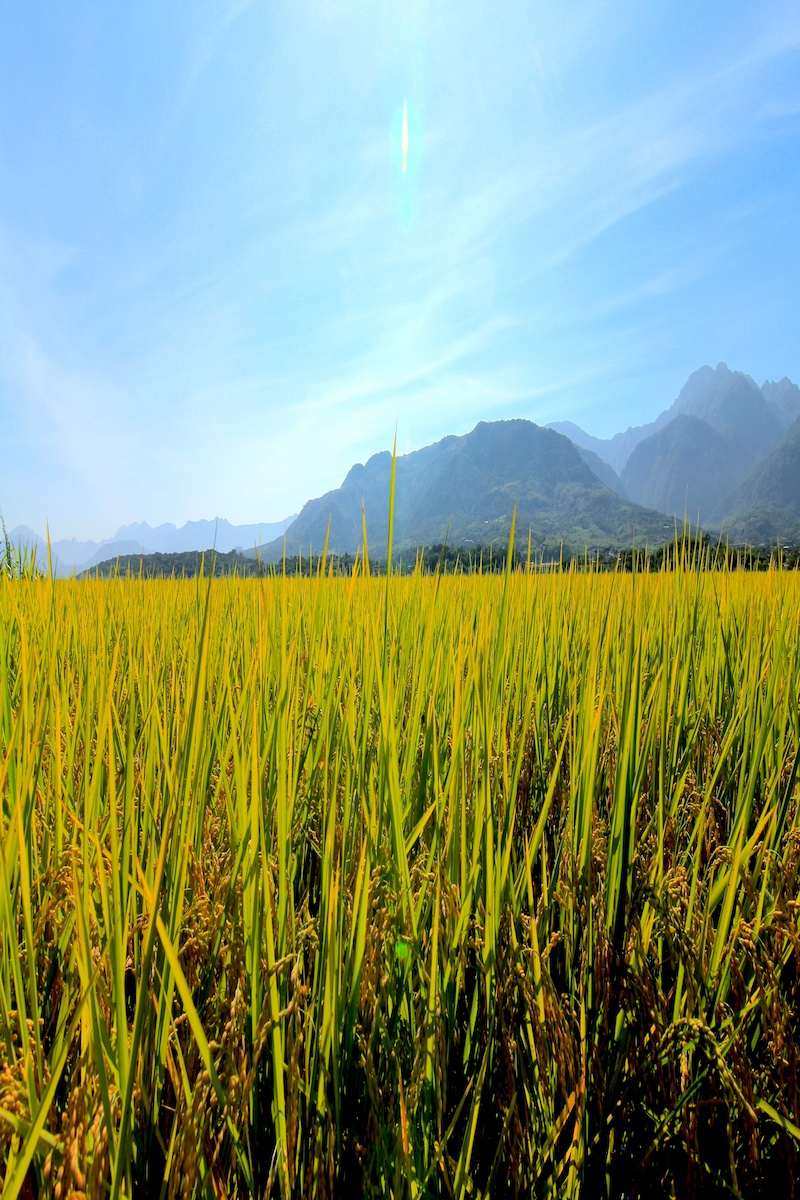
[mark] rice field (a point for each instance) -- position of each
(400, 887)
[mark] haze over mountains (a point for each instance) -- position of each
(69, 554)
(725, 454)
(687, 466)
(767, 504)
(729, 401)
(725, 450)
(720, 453)
(464, 489)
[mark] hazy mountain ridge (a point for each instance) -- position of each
(726, 452)
(733, 404)
(616, 450)
(784, 397)
(729, 401)
(688, 467)
(71, 554)
(464, 489)
(721, 431)
(766, 505)
(697, 456)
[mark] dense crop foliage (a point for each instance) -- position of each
(405, 887)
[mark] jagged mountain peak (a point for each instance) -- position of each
(465, 490)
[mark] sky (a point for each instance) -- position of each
(222, 282)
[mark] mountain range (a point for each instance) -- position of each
(69, 554)
(464, 490)
(725, 455)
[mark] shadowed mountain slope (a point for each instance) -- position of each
(685, 469)
(602, 470)
(766, 506)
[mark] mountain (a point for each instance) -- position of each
(733, 404)
(69, 554)
(66, 553)
(687, 468)
(702, 455)
(368, 484)
(615, 450)
(729, 401)
(603, 471)
(784, 398)
(464, 489)
(200, 535)
(22, 534)
(766, 506)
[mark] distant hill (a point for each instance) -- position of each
(686, 468)
(464, 489)
(66, 552)
(198, 535)
(766, 505)
(69, 554)
(184, 564)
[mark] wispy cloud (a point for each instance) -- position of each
(600, 173)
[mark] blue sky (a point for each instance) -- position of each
(219, 289)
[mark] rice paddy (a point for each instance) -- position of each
(405, 886)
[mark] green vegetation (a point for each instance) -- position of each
(407, 886)
(698, 552)
(183, 564)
